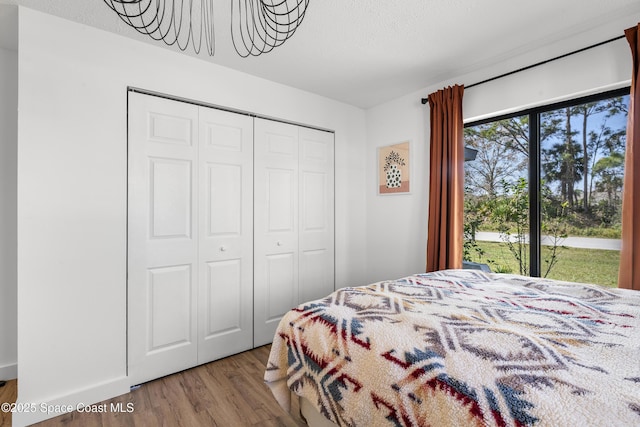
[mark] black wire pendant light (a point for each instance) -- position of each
(257, 26)
(172, 21)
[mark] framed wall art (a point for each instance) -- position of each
(394, 168)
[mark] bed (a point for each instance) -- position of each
(462, 348)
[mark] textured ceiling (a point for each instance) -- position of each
(367, 52)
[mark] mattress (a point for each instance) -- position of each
(463, 348)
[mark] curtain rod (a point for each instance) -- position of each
(425, 100)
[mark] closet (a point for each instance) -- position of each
(230, 225)
(294, 221)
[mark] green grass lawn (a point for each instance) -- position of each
(574, 264)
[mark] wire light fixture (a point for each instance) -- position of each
(257, 26)
(176, 22)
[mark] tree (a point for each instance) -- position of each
(511, 212)
(585, 111)
(514, 134)
(475, 210)
(562, 163)
(494, 163)
(610, 170)
(603, 142)
(554, 227)
(592, 140)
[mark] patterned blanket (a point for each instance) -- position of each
(464, 348)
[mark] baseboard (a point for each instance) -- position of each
(56, 406)
(9, 372)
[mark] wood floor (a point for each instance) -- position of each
(229, 392)
(8, 393)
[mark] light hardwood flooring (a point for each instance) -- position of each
(8, 393)
(229, 393)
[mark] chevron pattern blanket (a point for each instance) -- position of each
(464, 348)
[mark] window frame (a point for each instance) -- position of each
(534, 166)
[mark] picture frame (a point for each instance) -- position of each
(394, 168)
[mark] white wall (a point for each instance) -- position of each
(599, 69)
(8, 213)
(398, 224)
(72, 164)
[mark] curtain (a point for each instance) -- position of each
(446, 180)
(629, 273)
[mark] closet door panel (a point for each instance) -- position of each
(316, 274)
(276, 225)
(162, 243)
(316, 236)
(226, 241)
(280, 199)
(224, 298)
(281, 285)
(170, 198)
(225, 184)
(169, 294)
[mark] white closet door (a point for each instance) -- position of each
(226, 237)
(316, 233)
(275, 225)
(162, 236)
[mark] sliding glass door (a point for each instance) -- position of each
(543, 195)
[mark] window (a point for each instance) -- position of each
(543, 194)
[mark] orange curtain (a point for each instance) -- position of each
(629, 274)
(446, 180)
